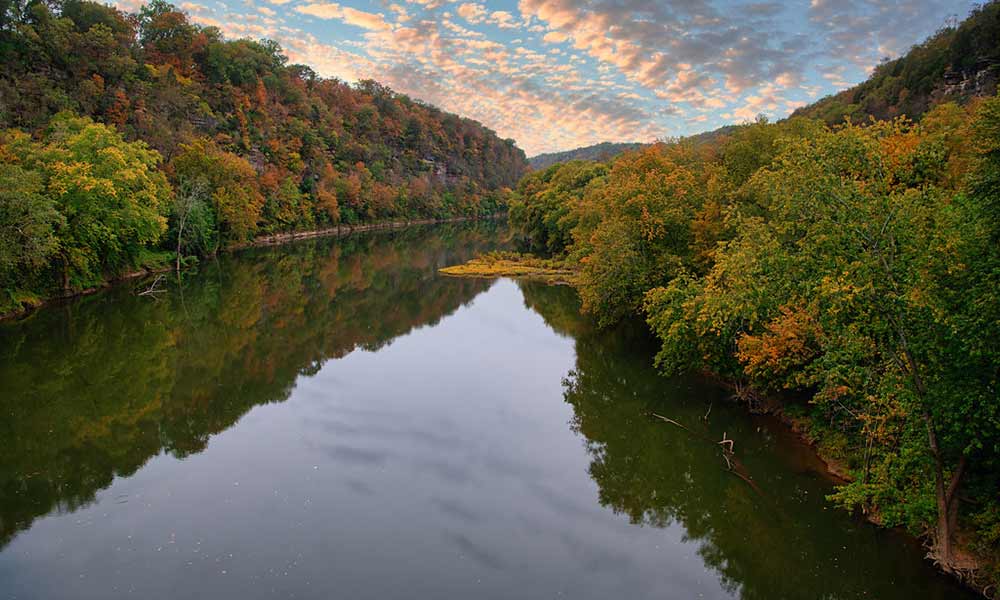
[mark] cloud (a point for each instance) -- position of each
(648, 42)
(351, 16)
(473, 13)
(865, 32)
(762, 9)
(503, 19)
(555, 37)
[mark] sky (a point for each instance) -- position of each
(559, 74)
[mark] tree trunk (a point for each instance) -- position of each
(947, 500)
(180, 234)
(65, 273)
(177, 263)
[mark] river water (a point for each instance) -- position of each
(333, 419)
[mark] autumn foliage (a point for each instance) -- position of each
(231, 135)
(850, 273)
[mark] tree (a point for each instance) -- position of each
(28, 224)
(326, 193)
(546, 209)
(166, 35)
(635, 231)
(844, 283)
(190, 204)
(232, 185)
(109, 191)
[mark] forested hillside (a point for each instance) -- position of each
(123, 135)
(955, 64)
(846, 276)
(606, 151)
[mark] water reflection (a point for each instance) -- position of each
(780, 540)
(442, 461)
(94, 388)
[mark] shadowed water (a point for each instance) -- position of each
(333, 419)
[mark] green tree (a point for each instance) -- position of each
(845, 285)
(544, 213)
(635, 231)
(28, 224)
(109, 192)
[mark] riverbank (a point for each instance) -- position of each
(273, 239)
(840, 461)
(971, 569)
(968, 566)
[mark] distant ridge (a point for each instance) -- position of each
(608, 150)
(599, 152)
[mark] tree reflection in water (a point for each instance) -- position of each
(782, 542)
(94, 388)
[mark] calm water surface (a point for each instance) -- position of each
(334, 420)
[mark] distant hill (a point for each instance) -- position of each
(608, 150)
(710, 136)
(955, 64)
(602, 151)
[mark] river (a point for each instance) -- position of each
(333, 419)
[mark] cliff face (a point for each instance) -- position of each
(962, 85)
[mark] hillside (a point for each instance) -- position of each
(955, 64)
(606, 151)
(182, 141)
(159, 78)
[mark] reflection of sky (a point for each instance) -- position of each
(440, 466)
(556, 74)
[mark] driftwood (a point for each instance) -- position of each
(671, 421)
(153, 288)
(733, 464)
(728, 443)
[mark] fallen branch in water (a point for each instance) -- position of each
(728, 443)
(733, 465)
(153, 288)
(671, 421)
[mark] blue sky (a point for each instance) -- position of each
(557, 74)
